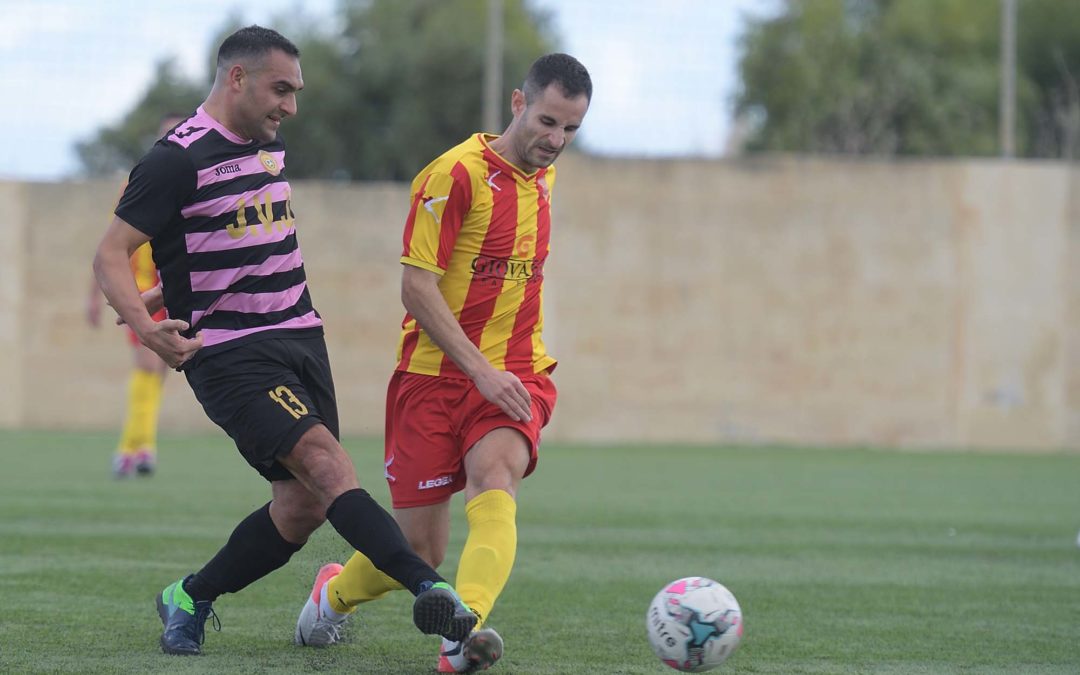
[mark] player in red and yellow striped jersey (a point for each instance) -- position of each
(137, 449)
(471, 391)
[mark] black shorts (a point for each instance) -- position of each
(265, 394)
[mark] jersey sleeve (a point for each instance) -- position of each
(158, 186)
(435, 217)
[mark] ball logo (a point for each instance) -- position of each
(269, 163)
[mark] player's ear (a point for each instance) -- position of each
(517, 102)
(237, 75)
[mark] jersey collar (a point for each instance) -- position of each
(205, 118)
(502, 162)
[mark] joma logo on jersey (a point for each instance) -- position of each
(224, 170)
(434, 482)
(265, 213)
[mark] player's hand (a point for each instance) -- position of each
(165, 340)
(153, 299)
(506, 391)
(93, 310)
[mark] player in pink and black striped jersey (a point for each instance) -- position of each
(213, 198)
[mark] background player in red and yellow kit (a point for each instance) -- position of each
(137, 450)
(471, 391)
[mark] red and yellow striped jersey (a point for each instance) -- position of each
(483, 225)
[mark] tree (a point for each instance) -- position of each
(1048, 52)
(398, 83)
(402, 83)
(118, 147)
(895, 77)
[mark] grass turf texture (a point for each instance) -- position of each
(844, 561)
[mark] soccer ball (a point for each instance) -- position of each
(694, 624)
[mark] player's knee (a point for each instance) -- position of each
(296, 522)
(309, 514)
(322, 464)
(504, 480)
(311, 520)
(498, 462)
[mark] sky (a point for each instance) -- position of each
(663, 70)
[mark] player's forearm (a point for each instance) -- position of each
(427, 305)
(113, 273)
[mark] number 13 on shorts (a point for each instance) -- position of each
(287, 400)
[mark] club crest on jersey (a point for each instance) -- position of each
(269, 163)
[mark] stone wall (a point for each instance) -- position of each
(912, 304)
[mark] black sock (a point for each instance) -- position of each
(371, 530)
(255, 549)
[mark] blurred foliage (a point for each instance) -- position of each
(387, 88)
(908, 77)
(116, 148)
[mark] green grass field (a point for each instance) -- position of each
(844, 561)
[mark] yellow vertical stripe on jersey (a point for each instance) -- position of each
(493, 342)
(427, 228)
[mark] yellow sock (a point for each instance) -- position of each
(359, 582)
(143, 405)
(489, 550)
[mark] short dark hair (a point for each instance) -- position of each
(561, 69)
(253, 41)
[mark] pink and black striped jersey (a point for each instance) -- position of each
(219, 213)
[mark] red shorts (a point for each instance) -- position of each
(133, 338)
(431, 422)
